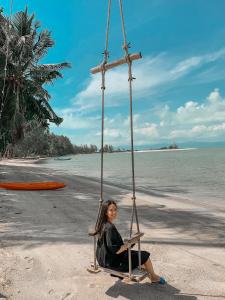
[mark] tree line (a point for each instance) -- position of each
(39, 141)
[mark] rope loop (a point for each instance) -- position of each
(106, 54)
(103, 70)
(128, 60)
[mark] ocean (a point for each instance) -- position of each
(191, 174)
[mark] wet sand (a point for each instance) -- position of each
(45, 248)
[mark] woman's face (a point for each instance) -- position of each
(112, 212)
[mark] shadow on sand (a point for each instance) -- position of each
(146, 291)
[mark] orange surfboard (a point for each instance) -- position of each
(32, 186)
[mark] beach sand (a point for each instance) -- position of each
(45, 248)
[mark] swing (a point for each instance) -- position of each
(137, 274)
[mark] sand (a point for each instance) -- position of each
(45, 248)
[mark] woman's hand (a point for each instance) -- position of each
(122, 249)
(125, 247)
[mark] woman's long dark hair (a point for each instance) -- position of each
(102, 220)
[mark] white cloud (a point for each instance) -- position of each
(136, 117)
(149, 130)
(202, 132)
(112, 133)
(151, 73)
(214, 97)
(195, 120)
(192, 120)
(72, 120)
(212, 110)
(199, 129)
(197, 61)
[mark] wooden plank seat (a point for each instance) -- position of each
(116, 63)
(137, 274)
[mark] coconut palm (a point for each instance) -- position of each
(22, 77)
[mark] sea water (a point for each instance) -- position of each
(192, 174)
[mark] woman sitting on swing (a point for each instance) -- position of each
(112, 253)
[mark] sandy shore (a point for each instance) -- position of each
(45, 249)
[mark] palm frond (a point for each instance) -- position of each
(43, 43)
(22, 22)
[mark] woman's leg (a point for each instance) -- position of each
(149, 267)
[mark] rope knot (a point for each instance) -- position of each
(126, 46)
(103, 69)
(131, 78)
(106, 54)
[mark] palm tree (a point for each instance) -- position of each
(23, 97)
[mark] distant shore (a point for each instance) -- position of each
(167, 150)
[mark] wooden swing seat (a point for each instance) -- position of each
(137, 274)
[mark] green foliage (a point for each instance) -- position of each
(85, 149)
(23, 97)
(172, 146)
(107, 148)
(39, 141)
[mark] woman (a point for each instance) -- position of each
(111, 252)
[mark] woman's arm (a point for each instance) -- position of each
(114, 241)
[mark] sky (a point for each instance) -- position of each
(179, 90)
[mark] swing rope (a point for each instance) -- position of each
(103, 71)
(103, 67)
(130, 80)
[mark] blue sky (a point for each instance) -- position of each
(179, 93)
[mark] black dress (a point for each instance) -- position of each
(109, 244)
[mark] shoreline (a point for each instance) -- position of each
(21, 162)
(44, 242)
(182, 198)
(39, 159)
